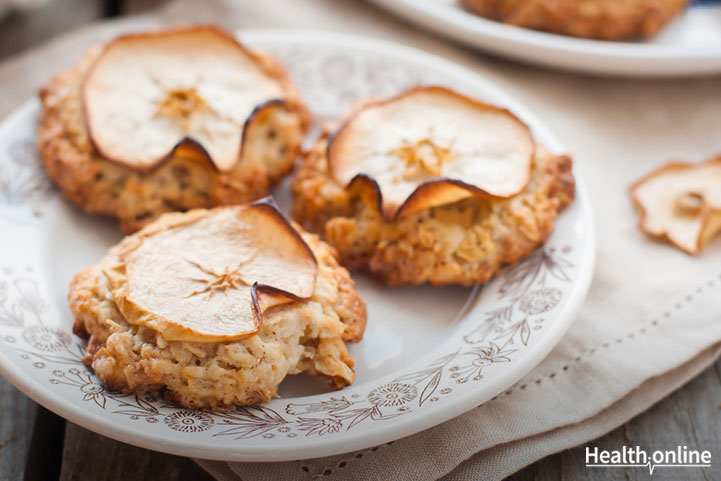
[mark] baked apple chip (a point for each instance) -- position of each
(431, 146)
(195, 88)
(209, 276)
(681, 202)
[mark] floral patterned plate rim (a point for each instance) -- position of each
(428, 355)
(690, 45)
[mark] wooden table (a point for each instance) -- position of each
(38, 445)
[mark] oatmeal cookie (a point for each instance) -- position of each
(464, 242)
(596, 19)
(183, 154)
(201, 293)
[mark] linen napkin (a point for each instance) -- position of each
(651, 319)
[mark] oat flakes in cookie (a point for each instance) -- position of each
(431, 186)
(214, 308)
(169, 120)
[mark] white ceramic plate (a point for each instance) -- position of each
(691, 45)
(428, 354)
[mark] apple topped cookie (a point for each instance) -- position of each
(681, 202)
(216, 307)
(431, 186)
(169, 120)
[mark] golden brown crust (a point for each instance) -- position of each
(295, 337)
(596, 19)
(464, 242)
(184, 181)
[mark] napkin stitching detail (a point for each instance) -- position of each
(686, 300)
(328, 469)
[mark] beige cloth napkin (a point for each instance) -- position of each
(651, 321)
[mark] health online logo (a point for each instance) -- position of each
(635, 457)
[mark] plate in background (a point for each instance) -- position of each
(690, 45)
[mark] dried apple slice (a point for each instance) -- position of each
(208, 276)
(681, 202)
(430, 146)
(195, 88)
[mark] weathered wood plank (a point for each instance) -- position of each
(16, 428)
(91, 457)
(46, 447)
